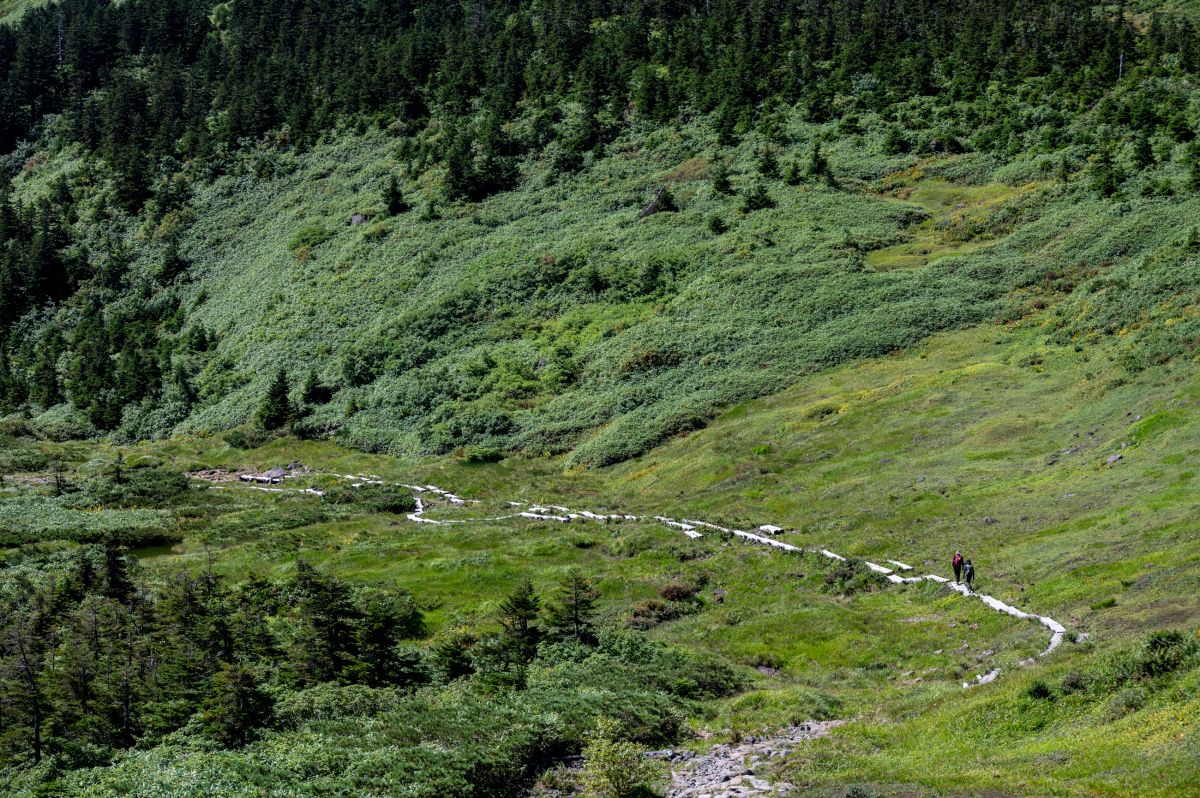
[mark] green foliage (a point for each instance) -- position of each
(721, 183)
(519, 615)
(248, 438)
(309, 236)
(393, 197)
(276, 410)
(135, 487)
(757, 198)
(375, 498)
(818, 166)
(236, 707)
(572, 615)
(615, 768)
(848, 577)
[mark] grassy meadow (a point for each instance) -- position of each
(994, 440)
(941, 352)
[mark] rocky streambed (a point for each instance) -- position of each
(739, 769)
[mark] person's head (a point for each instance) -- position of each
(957, 552)
(968, 562)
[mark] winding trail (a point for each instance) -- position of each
(690, 528)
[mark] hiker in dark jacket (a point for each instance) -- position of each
(957, 563)
(968, 573)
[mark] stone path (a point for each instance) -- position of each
(691, 528)
(737, 770)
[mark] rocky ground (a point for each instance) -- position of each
(738, 770)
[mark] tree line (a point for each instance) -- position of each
(150, 84)
(95, 657)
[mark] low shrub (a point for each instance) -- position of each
(848, 577)
(310, 236)
(1073, 682)
(1129, 700)
(651, 612)
(377, 498)
(246, 437)
(138, 487)
(1039, 691)
(678, 591)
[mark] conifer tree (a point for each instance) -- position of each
(768, 164)
(393, 197)
(1192, 160)
(757, 199)
(1104, 178)
(1143, 152)
(237, 707)
(720, 178)
(519, 615)
(572, 614)
(115, 572)
(818, 166)
(276, 409)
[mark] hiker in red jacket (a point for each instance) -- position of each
(957, 563)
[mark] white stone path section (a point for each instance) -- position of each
(564, 515)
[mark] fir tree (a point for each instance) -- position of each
(519, 615)
(115, 573)
(237, 707)
(1192, 160)
(393, 197)
(794, 176)
(768, 164)
(757, 199)
(1143, 152)
(1104, 177)
(572, 614)
(276, 409)
(818, 166)
(720, 178)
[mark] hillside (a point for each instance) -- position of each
(584, 399)
(993, 440)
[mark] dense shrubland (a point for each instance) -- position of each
(564, 220)
(311, 681)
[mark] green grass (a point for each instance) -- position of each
(879, 370)
(902, 456)
(958, 223)
(11, 10)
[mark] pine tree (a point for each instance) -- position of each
(519, 614)
(1143, 152)
(794, 176)
(1192, 160)
(276, 409)
(895, 142)
(757, 199)
(1104, 177)
(386, 620)
(1064, 170)
(115, 572)
(312, 392)
(818, 166)
(393, 197)
(768, 164)
(451, 656)
(116, 472)
(572, 615)
(720, 178)
(237, 707)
